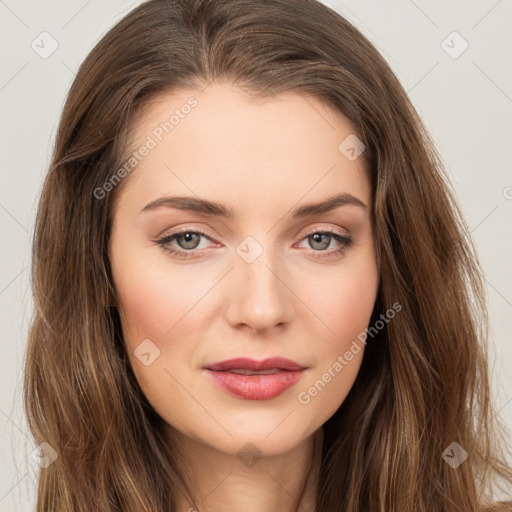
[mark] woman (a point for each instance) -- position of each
(253, 286)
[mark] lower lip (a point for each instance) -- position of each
(255, 387)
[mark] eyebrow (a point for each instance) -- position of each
(212, 208)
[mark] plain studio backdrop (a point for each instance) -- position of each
(451, 57)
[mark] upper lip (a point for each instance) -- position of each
(245, 363)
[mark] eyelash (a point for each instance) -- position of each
(345, 240)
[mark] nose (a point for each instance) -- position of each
(259, 297)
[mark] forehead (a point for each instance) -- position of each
(223, 115)
(219, 142)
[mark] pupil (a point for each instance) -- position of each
(188, 240)
(319, 238)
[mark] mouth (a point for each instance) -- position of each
(248, 379)
(244, 363)
(244, 371)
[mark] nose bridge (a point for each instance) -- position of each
(260, 297)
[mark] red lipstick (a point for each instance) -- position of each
(255, 380)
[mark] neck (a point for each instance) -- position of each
(287, 482)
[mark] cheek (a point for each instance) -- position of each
(345, 308)
(150, 308)
(342, 300)
(350, 316)
(143, 307)
(162, 305)
(153, 298)
(350, 307)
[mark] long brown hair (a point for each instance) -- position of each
(423, 383)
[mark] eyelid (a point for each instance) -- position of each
(208, 232)
(320, 228)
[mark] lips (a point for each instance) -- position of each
(243, 363)
(255, 380)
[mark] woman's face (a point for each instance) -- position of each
(248, 278)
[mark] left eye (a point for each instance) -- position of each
(323, 239)
(188, 241)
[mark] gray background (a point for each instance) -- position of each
(466, 103)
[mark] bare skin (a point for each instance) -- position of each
(263, 160)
